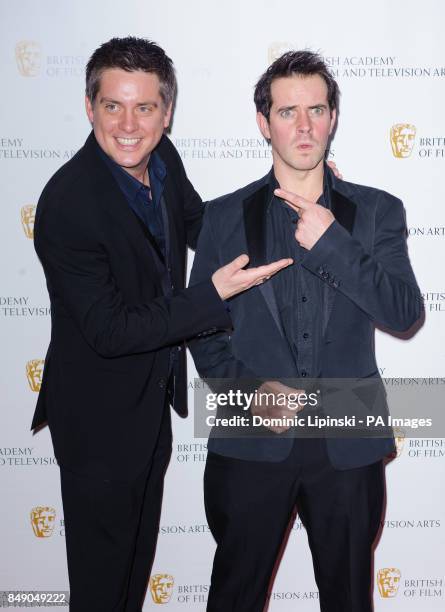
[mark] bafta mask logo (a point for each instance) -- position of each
(388, 580)
(43, 519)
(28, 57)
(277, 49)
(28, 214)
(399, 438)
(161, 588)
(34, 372)
(402, 137)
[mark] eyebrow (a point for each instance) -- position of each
(294, 106)
(148, 103)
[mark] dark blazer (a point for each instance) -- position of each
(106, 371)
(362, 259)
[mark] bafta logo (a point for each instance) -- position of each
(34, 372)
(399, 438)
(28, 57)
(28, 214)
(277, 49)
(43, 519)
(388, 580)
(402, 137)
(161, 588)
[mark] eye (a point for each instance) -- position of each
(317, 111)
(145, 109)
(111, 107)
(287, 113)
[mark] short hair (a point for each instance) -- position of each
(132, 54)
(300, 63)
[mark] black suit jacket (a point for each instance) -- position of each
(105, 376)
(362, 259)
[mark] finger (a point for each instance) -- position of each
(333, 166)
(293, 199)
(272, 268)
(238, 263)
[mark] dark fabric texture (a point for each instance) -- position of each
(113, 325)
(111, 529)
(366, 279)
(249, 505)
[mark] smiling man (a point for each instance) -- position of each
(315, 319)
(111, 230)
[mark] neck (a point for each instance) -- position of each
(145, 178)
(306, 183)
(139, 172)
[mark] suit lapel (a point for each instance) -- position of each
(254, 208)
(344, 211)
(112, 201)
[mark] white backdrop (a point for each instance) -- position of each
(390, 63)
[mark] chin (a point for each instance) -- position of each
(309, 164)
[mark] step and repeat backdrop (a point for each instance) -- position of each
(389, 59)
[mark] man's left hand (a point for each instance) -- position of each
(332, 165)
(314, 219)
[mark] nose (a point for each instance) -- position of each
(303, 122)
(128, 122)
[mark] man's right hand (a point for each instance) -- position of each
(268, 407)
(231, 279)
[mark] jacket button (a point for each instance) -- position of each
(161, 383)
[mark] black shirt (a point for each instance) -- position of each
(299, 293)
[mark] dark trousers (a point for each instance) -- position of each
(111, 531)
(249, 505)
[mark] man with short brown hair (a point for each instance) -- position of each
(314, 320)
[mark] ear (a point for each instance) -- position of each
(89, 109)
(333, 120)
(263, 124)
(168, 115)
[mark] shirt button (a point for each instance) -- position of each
(304, 298)
(304, 373)
(305, 335)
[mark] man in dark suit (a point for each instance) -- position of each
(316, 319)
(111, 231)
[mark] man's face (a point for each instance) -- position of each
(128, 117)
(300, 122)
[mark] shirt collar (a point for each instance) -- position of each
(128, 184)
(324, 199)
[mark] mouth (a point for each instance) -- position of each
(305, 146)
(128, 142)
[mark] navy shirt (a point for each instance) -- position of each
(299, 293)
(144, 201)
